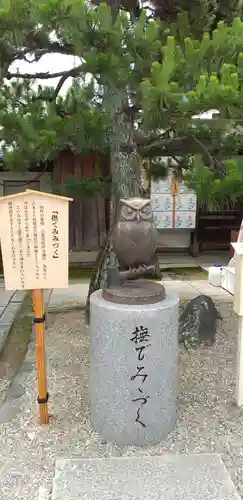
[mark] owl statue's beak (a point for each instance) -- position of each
(138, 216)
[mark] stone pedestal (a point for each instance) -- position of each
(134, 369)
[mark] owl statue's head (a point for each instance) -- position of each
(135, 209)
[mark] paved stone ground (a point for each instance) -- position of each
(164, 477)
(66, 299)
(74, 297)
(209, 419)
(10, 304)
(29, 452)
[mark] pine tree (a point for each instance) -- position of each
(152, 72)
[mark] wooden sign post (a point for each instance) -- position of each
(175, 191)
(34, 245)
(39, 319)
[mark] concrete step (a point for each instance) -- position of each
(166, 477)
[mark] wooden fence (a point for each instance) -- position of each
(89, 218)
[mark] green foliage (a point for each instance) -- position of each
(212, 190)
(169, 69)
(37, 129)
(196, 18)
(85, 188)
(158, 170)
(196, 77)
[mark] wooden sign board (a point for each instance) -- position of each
(34, 240)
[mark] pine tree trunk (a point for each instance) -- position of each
(5, 62)
(125, 173)
(123, 150)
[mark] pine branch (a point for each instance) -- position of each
(181, 146)
(166, 147)
(64, 78)
(205, 151)
(143, 140)
(46, 75)
(39, 51)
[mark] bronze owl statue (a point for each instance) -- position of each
(134, 236)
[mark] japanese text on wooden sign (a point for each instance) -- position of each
(34, 240)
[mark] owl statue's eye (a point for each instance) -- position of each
(147, 212)
(128, 213)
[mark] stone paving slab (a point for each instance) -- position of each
(165, 477)
(5, 296)
(193, 288)
(10, 305)
(47, 296)
(6, 320)
(213, 291)
(2, 308)
(4, 331)
(9, 313)
(181, 288)
(18, 296)
(73, 297)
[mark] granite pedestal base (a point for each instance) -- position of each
(134, 369)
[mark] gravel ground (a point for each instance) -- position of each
(209, 420)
